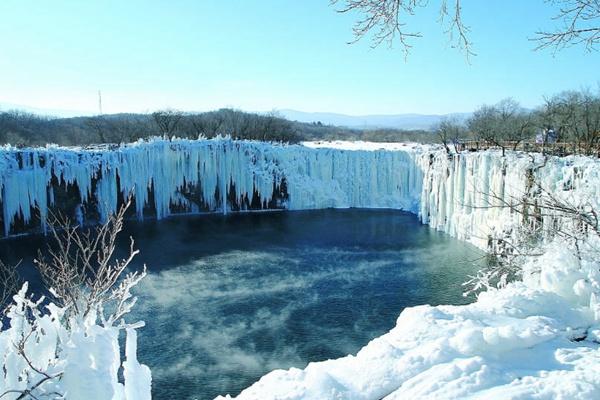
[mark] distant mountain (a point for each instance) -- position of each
(398, 121)
(44, 111)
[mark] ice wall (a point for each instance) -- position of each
(468, 195)
(221, 171)
(475, 196)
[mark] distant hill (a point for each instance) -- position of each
(395, 121)
(398, 121)
(43, 111)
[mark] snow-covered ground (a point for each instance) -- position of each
(535, 340)
(532, 339)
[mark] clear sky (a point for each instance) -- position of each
(261, 55)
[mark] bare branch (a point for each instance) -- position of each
(81, 271)
(9, 283)
(384, 19)
(580, 25)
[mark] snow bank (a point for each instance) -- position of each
(521, 342)
(39, 353)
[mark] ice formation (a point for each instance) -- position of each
(81, 361)
(453, 194)
(532, 339)
(225, 171)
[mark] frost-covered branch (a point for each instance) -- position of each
(580, 25)
(82, 273)
(384, 19)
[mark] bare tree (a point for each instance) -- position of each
(82, 273)
(9, 282)
(130, 128)
(514, 123)
(167, 121)
(575, 115)
(483, 124)
(386, 19)
(503, 124)
(101, 126)
(579, 25)
(450, 131)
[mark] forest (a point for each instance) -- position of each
(22, 128)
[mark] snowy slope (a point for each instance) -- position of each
(515, 343)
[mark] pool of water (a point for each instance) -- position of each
(230, 298)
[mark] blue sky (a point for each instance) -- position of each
(271, 54)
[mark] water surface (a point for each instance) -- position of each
(230, 298)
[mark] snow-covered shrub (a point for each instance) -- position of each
(68, 347)
(44, 357)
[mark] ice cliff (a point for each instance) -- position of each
(211, 175)
(467, 196)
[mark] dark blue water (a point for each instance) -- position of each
(230, 298)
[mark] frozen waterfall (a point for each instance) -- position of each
(217, 174)
(467, 195)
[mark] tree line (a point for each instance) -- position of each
(23, 128)
(572, 117)
(26, 129)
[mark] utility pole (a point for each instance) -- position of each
(100, 102)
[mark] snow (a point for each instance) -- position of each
(532, 339)
(80, 358)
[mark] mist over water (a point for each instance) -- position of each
(229, 298)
